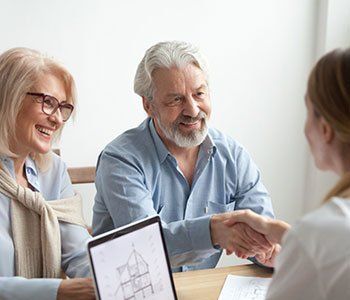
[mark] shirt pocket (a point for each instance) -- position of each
(216, 208)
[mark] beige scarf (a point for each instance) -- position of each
(35, 228)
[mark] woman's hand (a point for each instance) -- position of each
(268, 258)
(237, 237)
(272, 229)
(77, 289)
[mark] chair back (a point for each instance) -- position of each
(82, 174)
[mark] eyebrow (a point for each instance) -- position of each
(173, 95)
(201, 87)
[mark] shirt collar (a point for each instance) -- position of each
(32, 173)
(208, 145)
(30, 166)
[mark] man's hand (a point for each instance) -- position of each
(77, 288)
(236, 237)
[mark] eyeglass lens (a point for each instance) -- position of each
(51, 104)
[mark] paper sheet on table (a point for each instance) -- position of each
(244, 288)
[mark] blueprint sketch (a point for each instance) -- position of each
(244, 288)
(133, 267)
(134, 278)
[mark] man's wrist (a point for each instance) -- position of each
(213, 223)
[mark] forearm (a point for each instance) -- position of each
(188, 241)
(75, 262)
(19, 288)
(276, 229)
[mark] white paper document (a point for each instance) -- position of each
(244, 288)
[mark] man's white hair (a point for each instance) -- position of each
(165, 55)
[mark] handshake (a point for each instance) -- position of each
(248, 234)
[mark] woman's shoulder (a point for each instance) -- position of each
(54, 182)
(57, 162)
(333, 214)
(324, 232)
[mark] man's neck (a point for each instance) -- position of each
(184, 153)
(187, 159)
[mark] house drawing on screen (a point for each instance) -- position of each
(135, 279)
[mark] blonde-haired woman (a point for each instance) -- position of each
(41, 228)
(314, 263)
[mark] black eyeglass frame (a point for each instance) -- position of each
(57, 106)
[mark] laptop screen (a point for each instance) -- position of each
(132, 263)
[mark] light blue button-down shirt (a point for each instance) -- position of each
(52, 184)
(137, 177)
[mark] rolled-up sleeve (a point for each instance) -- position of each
(19, 288)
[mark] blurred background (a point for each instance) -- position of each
(259, 55)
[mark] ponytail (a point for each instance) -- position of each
(341, 189)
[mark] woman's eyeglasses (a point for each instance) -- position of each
(50, 104)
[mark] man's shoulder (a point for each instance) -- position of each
(134, 144)
(223, 141)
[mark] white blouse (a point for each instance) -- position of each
(314, 263)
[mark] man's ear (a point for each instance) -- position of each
(147, 106)
(327, 131)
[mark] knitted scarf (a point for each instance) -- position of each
(35, 228)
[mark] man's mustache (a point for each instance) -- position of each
(188, 120)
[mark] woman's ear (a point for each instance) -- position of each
(328, 133)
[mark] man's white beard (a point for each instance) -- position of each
(192, 139)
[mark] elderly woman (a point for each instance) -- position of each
(41, 228)
(315, 259)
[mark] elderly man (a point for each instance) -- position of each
(175, 166)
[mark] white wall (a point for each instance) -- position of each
(259, 53)
(333, 32)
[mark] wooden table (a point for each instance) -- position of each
(207, 284)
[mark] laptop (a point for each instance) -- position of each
(131, 262)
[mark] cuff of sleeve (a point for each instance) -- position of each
(199, 230)
(27, 289)
(51, 288)
(255, 261)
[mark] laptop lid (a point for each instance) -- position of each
(131, 262)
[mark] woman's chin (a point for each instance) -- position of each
(41, 151)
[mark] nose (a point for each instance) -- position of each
(56, 118)
(190, 108)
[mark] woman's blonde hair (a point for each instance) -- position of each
(20, 70)
(329, 91)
